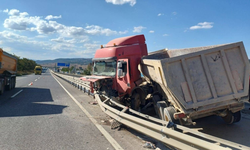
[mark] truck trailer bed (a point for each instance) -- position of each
(202, 78)
(7, 62)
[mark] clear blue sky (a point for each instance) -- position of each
(50, 29)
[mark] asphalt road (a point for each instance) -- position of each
(44, 116)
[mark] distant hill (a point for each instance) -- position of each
(79, 61)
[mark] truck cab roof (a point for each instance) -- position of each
(115, 48)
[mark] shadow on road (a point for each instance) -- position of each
(30, 102)
(238, 132)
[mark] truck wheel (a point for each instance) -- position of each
(11, 83)
(8, 87)
(231, 118)
(237, 116)
(169, 114)
(2, 91)
(14, 83)
(156, 98)
(136, 102)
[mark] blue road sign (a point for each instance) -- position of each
(63, 65)
(60, 64)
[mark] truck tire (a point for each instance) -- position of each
(2, 91)
(157, 98)
(169, 114)
(136, 101)
(8, 87)
(231, 118)
(13, 83)
(237, 116)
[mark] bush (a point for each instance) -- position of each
(88, 70)
(25, 66)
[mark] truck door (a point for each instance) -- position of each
(123, 76)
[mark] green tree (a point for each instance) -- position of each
(25, 64)
(88, 70)
(65, 69)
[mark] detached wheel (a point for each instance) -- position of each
(231, 118)
(136, 102)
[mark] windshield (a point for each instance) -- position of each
(38, 69)
(103, 68)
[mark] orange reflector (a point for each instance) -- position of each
(179, 115)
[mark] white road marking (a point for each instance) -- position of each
(31, 83)
(16, 94)
(111, 140)
(36, 80)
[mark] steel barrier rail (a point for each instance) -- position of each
(176, 136)
(203, 142)
(75, 81)
(184, 129)
(69, 74)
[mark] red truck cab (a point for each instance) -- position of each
(115, 66)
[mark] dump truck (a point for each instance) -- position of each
(182, 85)
(38, 70)
(8, 69)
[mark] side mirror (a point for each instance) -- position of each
(119, 73)
(119, 65)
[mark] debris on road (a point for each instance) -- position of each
(105, 122)
(115, 124)
(149, 145)
(93, 103)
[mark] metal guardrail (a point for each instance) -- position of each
(70, 74)
(174, 135)
(75, 81)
